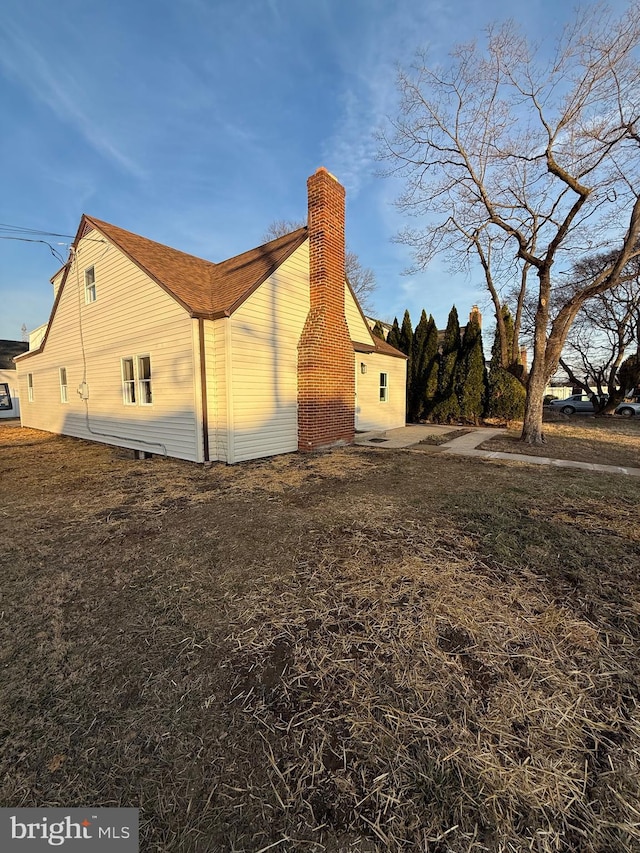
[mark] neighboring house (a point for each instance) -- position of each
(162, 352)
(9, 396)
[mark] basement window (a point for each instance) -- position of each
(384, 387)
(90, 294)
(63, 385)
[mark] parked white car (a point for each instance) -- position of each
(574, 403)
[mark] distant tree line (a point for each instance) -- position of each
(447, 377)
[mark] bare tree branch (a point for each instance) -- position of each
(545, 153)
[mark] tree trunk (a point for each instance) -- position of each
(532, 426)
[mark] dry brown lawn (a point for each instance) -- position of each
(581, 438)
(363, 650)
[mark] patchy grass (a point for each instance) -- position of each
(352, 651)
(580, 438)
(442, 438)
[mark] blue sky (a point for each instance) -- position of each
(197, 122)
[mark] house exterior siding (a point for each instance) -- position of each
(156, 350)
(216, 381)
(371, 412)
(131, 317)
(263, 362)
(358, 328)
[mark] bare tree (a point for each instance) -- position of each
(537, 157)
(362, 279)
(604, 331)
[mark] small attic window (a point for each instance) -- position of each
(90, 285)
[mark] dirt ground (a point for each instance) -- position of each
(359, 650)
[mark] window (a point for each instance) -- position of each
(30, 387)
(63, 385)
(136, 381)
(90, 285)
(144, 379)
(5, 396)
(384, 388)
(128, 382)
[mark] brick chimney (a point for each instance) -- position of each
(326, 379)
(475, 315)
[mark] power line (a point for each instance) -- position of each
(53, 251)
(16, 229)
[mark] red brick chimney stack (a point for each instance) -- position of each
(475, 315)
(326, 380)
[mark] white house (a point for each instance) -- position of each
(159, 351)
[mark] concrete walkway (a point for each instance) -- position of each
(466, 445)
(402, 436)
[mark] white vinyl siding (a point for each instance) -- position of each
(132, 317)
(358, 327)
(262, 363)
(380, 392)
(215, 333)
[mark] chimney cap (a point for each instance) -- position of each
(322, 170)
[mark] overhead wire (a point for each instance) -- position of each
(18, 229)
(53, 251)
(12, 232)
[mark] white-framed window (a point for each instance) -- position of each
(128, 382)
(384, 387)
(30, 387)
(90, 285)
(63, 385)
(136, 381)
(144, 380)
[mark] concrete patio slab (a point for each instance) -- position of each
(402, 436)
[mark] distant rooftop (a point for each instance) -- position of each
(9, 349)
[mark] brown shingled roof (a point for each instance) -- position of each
(378, 345)
(205, 289)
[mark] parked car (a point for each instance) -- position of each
(574, 403)
(627, 410)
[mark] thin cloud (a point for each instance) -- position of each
(50, 85)
(369, 92)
